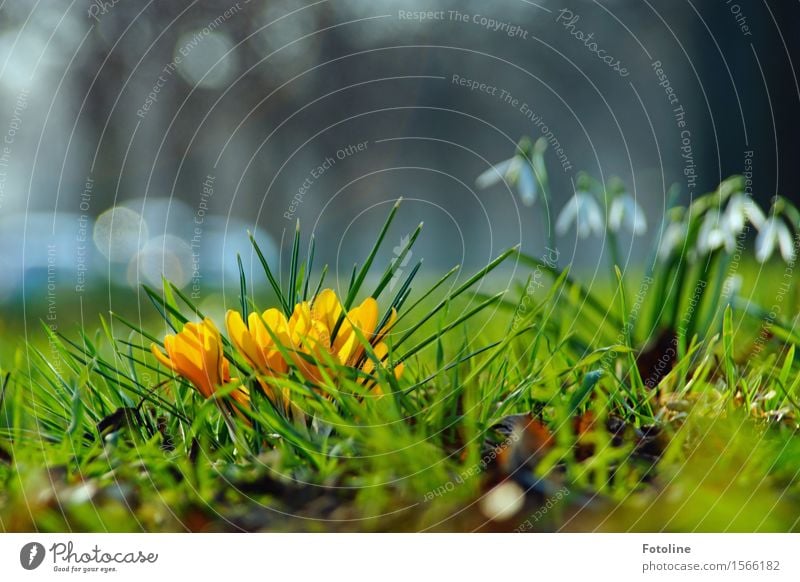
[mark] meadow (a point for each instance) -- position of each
(662, 397)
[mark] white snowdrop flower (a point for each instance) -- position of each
(673, 238)
(501, 171)
(516, 171)
(732, 285)
(774, 234)
(742, 209)
(584, 211)
(714, 234)
(626, 212)
(526, 184)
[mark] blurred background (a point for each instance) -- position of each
(143, 138)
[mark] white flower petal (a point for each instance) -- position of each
(765, 241)
(615, 214)
(527, 184)
(673, 236)
(584, 211)
(785, 242)
(582, 229)
(567, 215)
(514, 166)
(593, 215)
(755, 214)
(714, 233)
(588, 218)
(493, 175)
(636, 221)
(732, 285)
(714, 239)
(729, 241)
(735, 214)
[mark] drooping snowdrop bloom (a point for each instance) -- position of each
(626, 212)
(715, 233)
(775, 233)
(673, 238)
(515, 171)
(742, 209)
(732, 285)
(584, 211)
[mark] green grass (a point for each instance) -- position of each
(554, 389)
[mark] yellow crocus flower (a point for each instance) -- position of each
(254, 342)
(306, 337)
(196, 354)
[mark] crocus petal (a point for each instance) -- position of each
(387, 326)
(381, 351)
(365, 317)
(300, 322)
(326, 308)
(271, 343)
(347, 348)
(196, 354)
(160, 356)
(272, 324)
(242, 338)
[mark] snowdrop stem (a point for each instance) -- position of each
(720, 270)
(697, 295)
(547, 219)
(676, 293)
(661, 302)
(613, 252)
(661, 290)
(539, 168)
